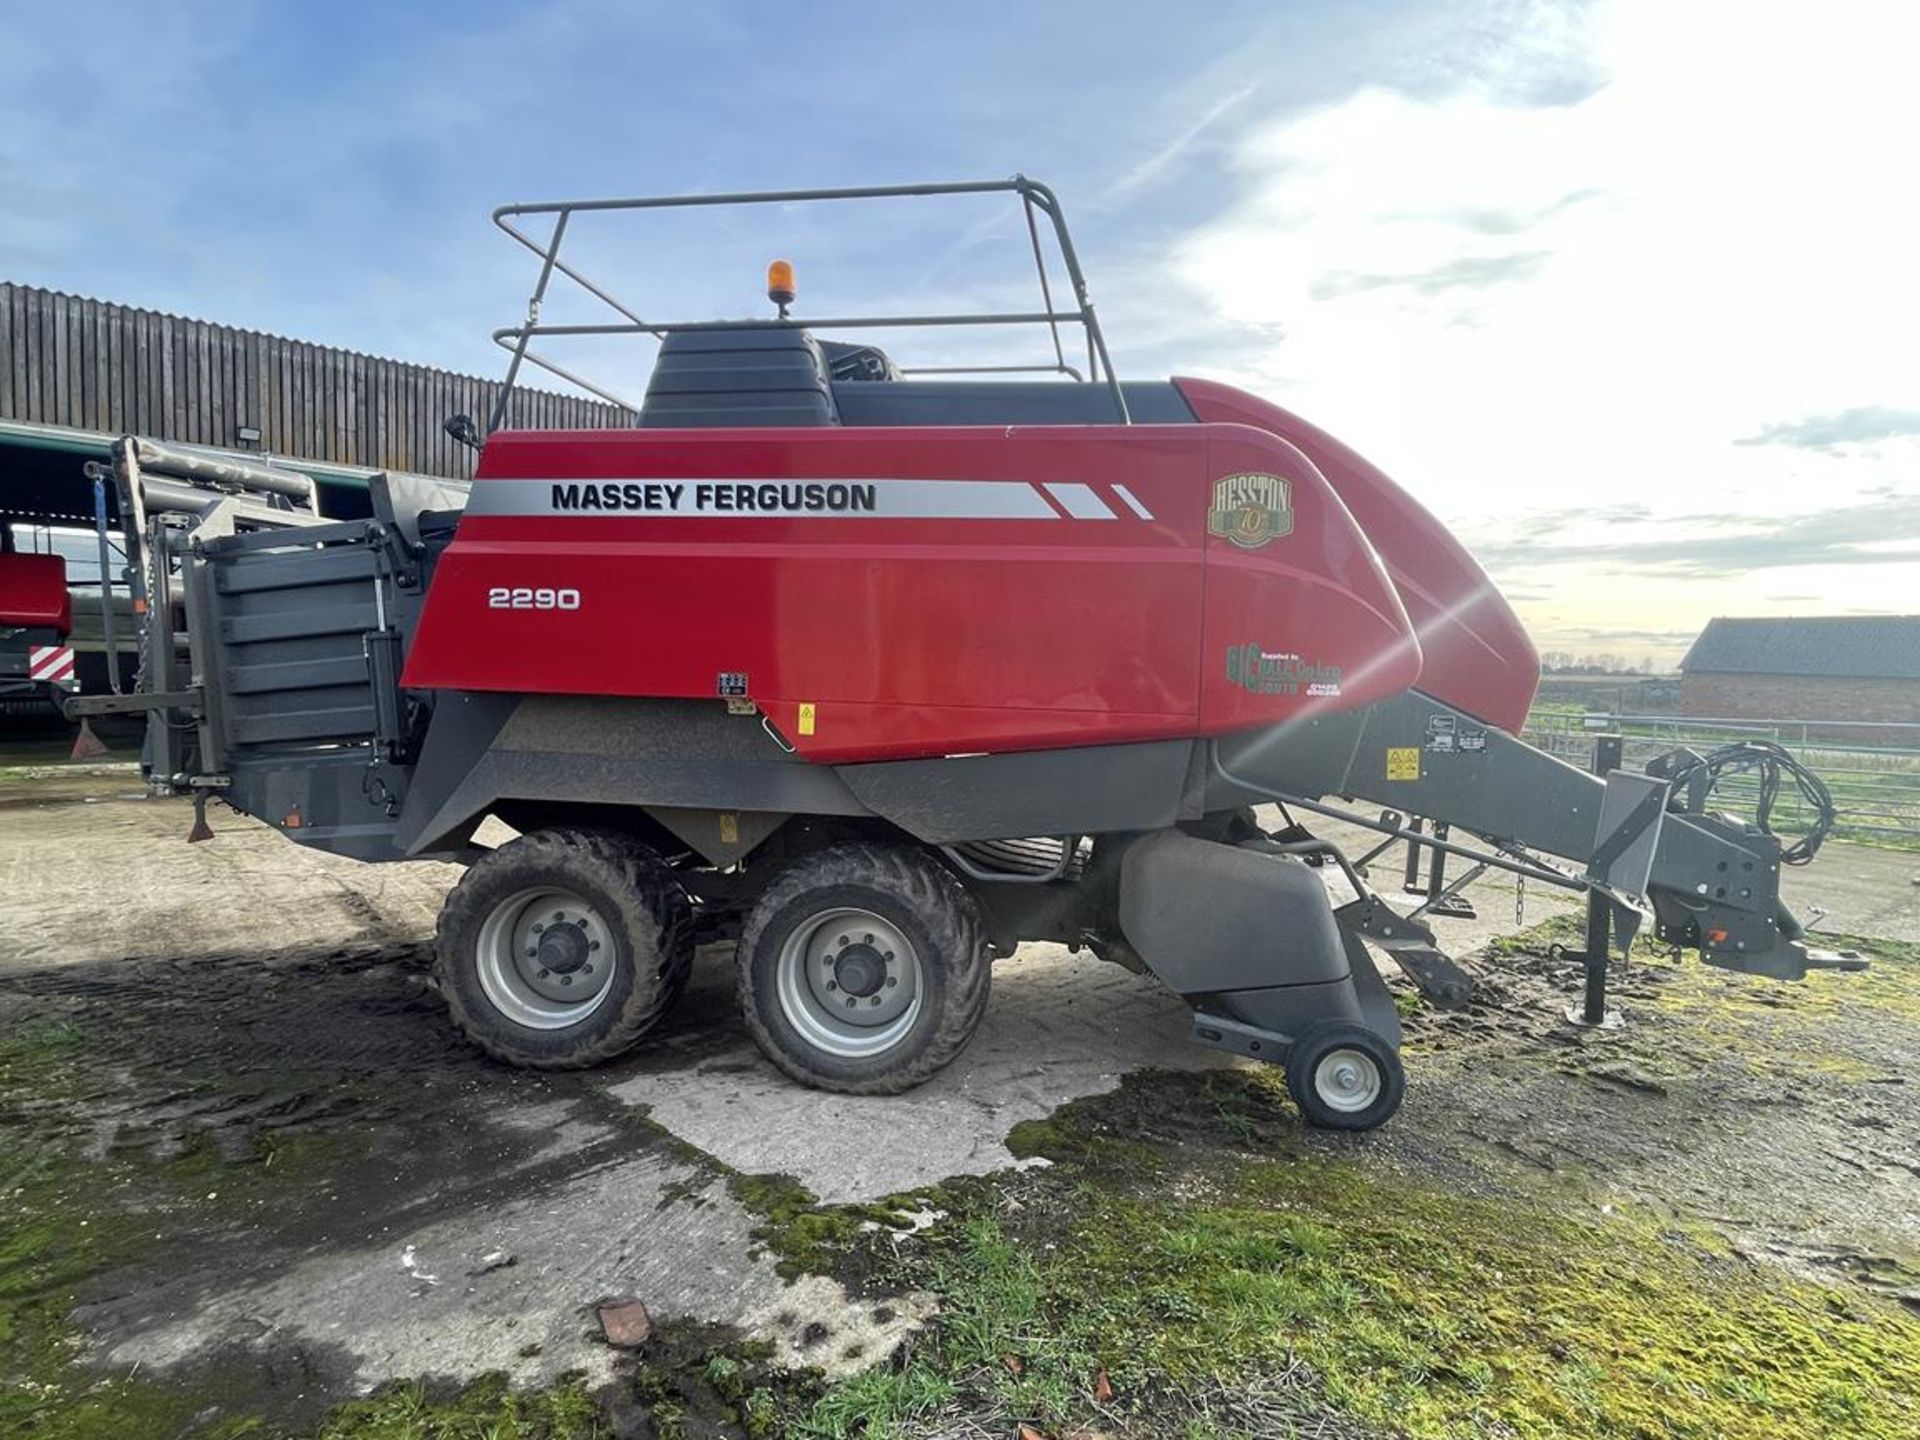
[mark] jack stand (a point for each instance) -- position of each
(1411, 884)
(1452, 907)
(87, 745)
(201, 830)
(1592, 1012)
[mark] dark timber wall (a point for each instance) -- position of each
(66, 360)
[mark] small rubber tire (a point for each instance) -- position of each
(1344, 1076)
(920, 899)
(646, 914)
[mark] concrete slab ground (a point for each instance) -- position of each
(1058, 1027)
(94, 874)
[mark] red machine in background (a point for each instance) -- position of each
(36, 617)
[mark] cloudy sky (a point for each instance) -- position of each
(1626, 292)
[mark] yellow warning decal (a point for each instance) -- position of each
(729, 828)
(806, 720)
(1403, 762)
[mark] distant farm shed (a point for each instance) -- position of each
(1855, 668)
(75, 373)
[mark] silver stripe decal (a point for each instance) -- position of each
(795, 498)
(1082, 502)
(1133, 503)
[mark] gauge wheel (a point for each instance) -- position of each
(864, 969)
(563, 948)
(1344, 1076)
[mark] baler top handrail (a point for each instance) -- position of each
(1033, 196)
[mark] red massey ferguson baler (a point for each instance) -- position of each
(879, 676)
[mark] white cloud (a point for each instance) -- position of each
(1516, 307)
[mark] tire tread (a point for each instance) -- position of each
(633, 869)
(940, 902)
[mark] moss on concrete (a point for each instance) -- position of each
(69, 1217)
(1890, 985)
(852, 1243)
(1228, 1275)
(62, 1224)
(1388, 1302)
(484, 1410)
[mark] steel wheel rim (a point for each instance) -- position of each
(850, 982)
(536, 973)
(1348, 1080)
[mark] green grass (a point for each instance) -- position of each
(1390, 1298)
(484, 1410)
(1226, 1295)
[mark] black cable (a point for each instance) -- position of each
(1769, 762)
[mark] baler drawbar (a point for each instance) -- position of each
(878, 674)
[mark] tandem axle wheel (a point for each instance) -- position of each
(863, 969)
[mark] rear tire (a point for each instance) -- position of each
(1344, 1076)
(563, 948)
(863, 969)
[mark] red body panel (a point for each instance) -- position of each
(33, 593)
(1477, 654)
(1104, 612)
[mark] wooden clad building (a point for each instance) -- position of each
(91, 365)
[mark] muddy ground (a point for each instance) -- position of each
(250, 1173)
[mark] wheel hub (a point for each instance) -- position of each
(849, 981)
(562, 948)
(1347, 1080)
(860, 970)
(546, 958)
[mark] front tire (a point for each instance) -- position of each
(563, 948)
(1344, 1076)
(863, 969)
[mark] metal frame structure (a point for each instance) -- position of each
(1036, 200)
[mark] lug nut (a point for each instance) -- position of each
(581, 922)
(866, 939)
(892, 980)
(546, 974)
(586, 969)
(593, 944)
(888, 957)
(843, 942)
(832, 986)
(851, 1002)
(874, 1001)
(566, 979)
(531, 952)
(538, 927)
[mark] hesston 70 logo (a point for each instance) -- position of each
(521, 597)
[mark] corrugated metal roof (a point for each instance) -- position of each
(1857, 646)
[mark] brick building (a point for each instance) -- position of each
(1832, 667)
